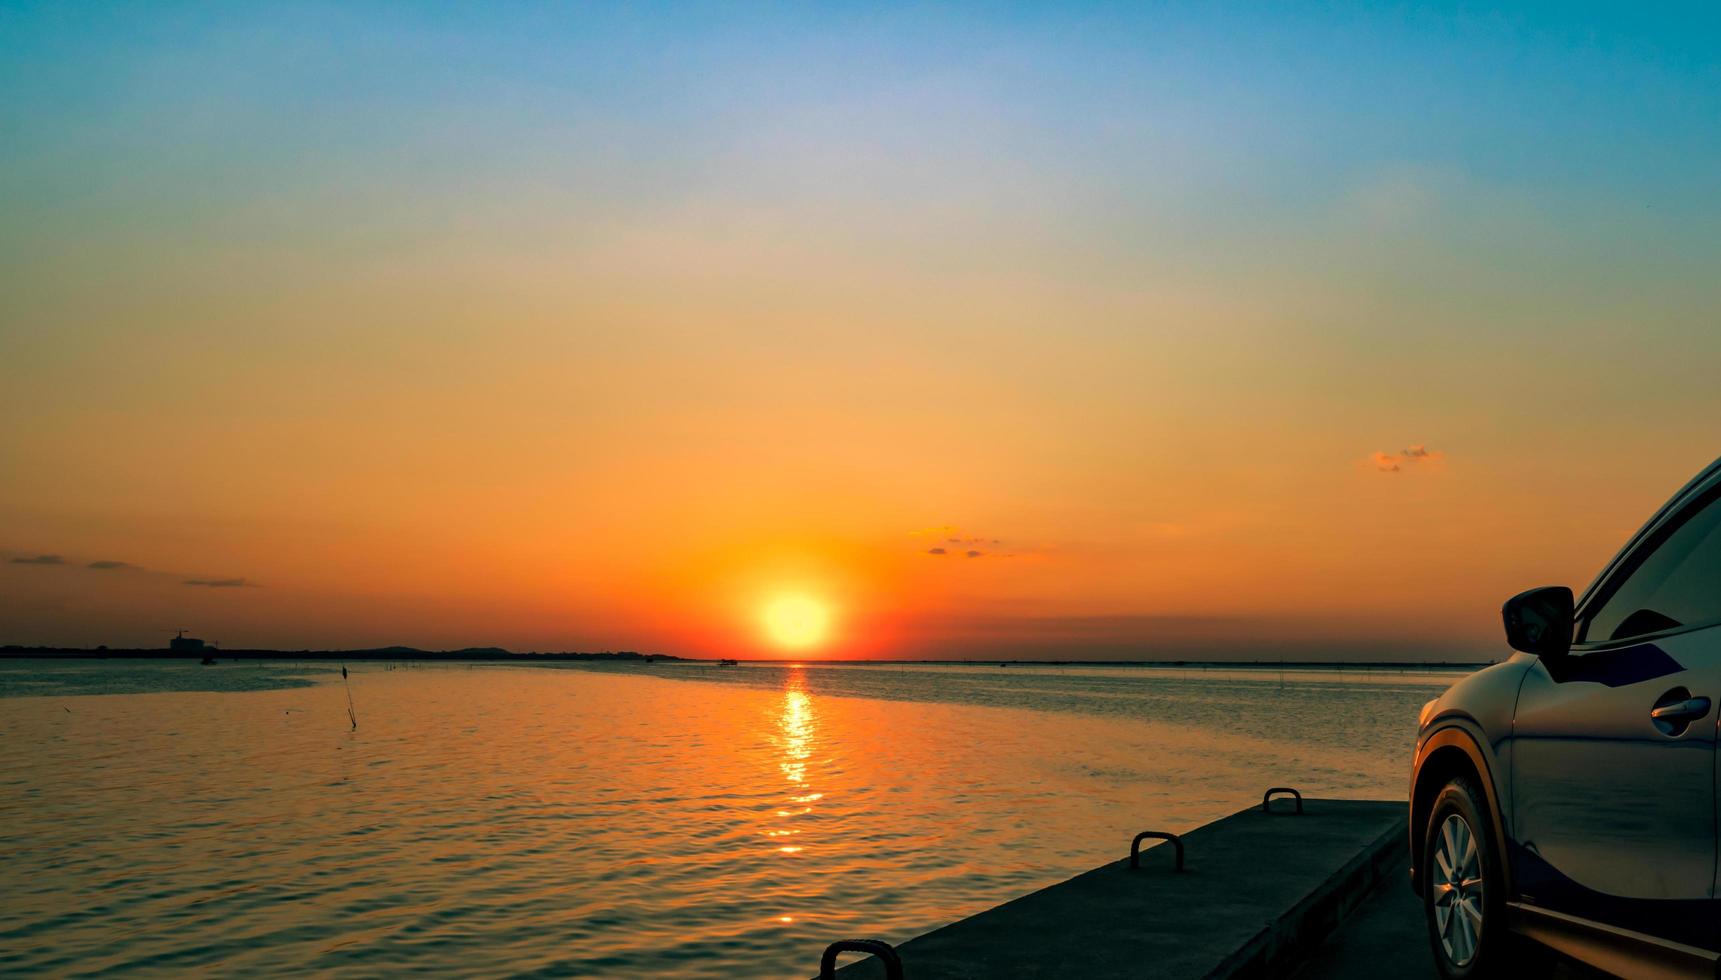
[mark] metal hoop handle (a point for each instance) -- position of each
(1135, 846)
(885, 952)
(1268, 796)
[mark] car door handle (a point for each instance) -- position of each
(1686, 710)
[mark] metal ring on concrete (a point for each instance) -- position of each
(885, 952)
(1268, 796)
(1135, 846)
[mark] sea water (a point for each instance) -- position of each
(625, 820)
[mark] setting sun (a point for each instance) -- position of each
(797, 622)
(813, 453)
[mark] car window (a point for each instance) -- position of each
(1677, 584)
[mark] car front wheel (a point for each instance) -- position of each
(1463, 898)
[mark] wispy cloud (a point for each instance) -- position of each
(953, 541)
(115, 565)
(1410, 456)
(943, 552)
(221, 583)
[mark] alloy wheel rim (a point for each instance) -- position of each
(1457, 884)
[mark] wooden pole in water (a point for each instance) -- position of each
(352, 715)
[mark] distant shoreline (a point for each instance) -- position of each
(497, 655)
(382, 653)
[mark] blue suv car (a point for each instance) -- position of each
(1568, 795)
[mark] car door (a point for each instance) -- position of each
(1614, 745)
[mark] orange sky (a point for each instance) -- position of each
(505, 354)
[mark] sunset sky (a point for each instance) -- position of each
(1089, 331)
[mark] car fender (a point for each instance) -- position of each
(1474, 717)
(1459, 736)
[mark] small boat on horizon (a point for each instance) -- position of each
(728, 663)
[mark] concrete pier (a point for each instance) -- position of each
(1259, 894)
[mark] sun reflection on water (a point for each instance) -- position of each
(796, 727)
(797, 724)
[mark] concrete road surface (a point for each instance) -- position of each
(1387, 934)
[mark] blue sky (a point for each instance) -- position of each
(1137, 287)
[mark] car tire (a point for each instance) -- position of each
(1463, 893)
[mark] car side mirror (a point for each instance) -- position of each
(1540, 621)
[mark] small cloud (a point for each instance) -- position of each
(952, 541)
(109, 565)
(1416, 455)
(40, 560)
(220, 583)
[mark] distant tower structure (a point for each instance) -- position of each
(185, 644)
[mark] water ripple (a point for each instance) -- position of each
(684, 820)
